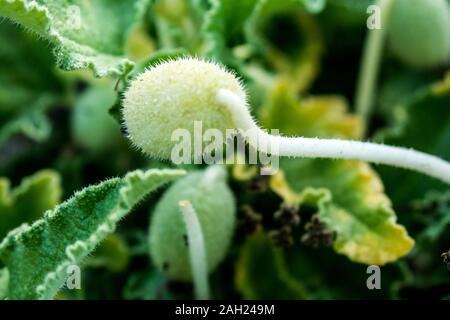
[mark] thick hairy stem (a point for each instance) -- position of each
(371, 58)
(331, 148)
(196, 250)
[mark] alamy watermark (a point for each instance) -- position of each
(374, 280)
(73, 20)
(213, 146)
(73, 280)
(374, 19)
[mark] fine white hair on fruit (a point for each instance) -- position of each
(173, 95)
(176, 93)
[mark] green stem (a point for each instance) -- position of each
(370, 64)
(196, 250)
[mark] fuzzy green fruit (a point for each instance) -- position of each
(171, 96)
(214, 204)
(92, 126)
(419, 32)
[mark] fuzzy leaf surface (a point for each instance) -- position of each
(38, 256)
(86, 34)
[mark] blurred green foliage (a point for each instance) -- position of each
(61, 132)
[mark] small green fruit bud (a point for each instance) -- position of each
(419, 32)
(173, 95)
(214, 204)
(92, 126)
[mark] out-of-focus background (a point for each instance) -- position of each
(64, 66)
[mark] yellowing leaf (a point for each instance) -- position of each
(349, 195)
(315, 116)
(364, 222)
(289, 39)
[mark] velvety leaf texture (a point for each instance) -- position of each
(26, 203)
(86, 34)
(37, 256)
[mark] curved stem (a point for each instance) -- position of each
(196, 250)
(330, 148)
(371, 58)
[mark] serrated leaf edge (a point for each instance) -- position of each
(79, 249)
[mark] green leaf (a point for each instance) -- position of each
(260, 259)
(27, 68)
(26, 203)
(420, 122)
(146, 285)
(4, 282)
(28, 85)
(329, 276)
(86, 34)
(112, 254)
(320, 116)
(395, 90)
(37, 256)
(434, 212)
(239, 32)
(223, 26)
(314, 6)
(348, 195)
(347, 13)
(177, 23)
(350, 201)
(33, 124)
(288, 38)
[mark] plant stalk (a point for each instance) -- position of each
(330, 148)
(370, 64)
(197, 250)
